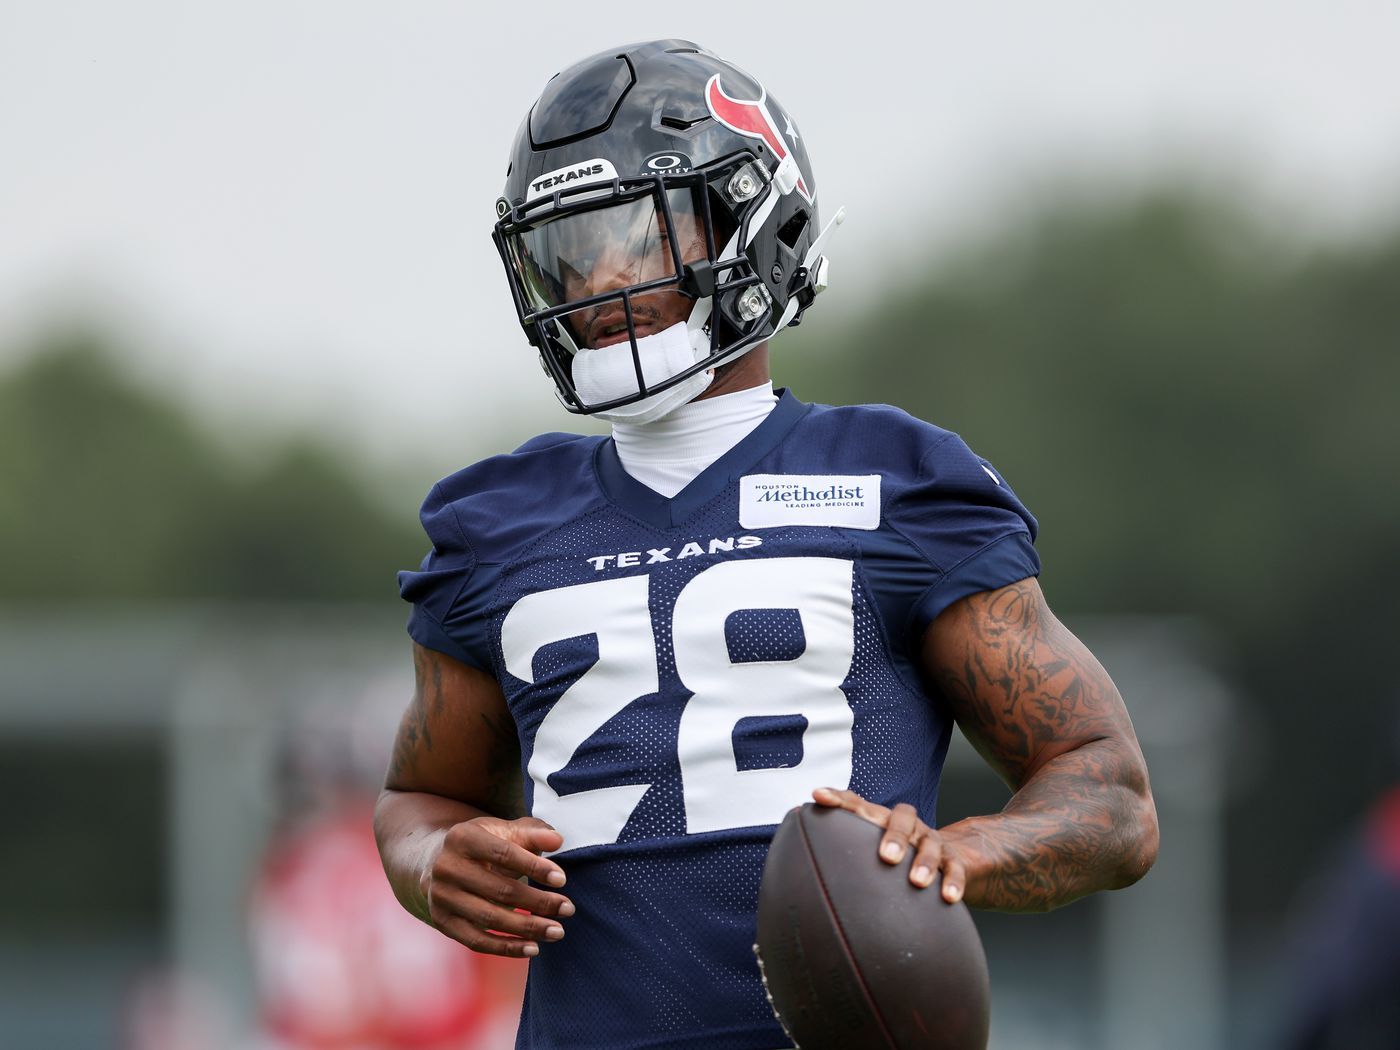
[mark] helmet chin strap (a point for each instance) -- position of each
(697, 323)
(671, 351)
(609, 372)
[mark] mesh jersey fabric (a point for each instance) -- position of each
(679, 680)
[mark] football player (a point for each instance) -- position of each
(734, 603)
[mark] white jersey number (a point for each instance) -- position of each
(717, 793)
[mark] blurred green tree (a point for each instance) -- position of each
(111, 491)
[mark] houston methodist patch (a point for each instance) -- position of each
(847, 501)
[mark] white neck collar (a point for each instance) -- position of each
(668, 454)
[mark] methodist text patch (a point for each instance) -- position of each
(847, 501)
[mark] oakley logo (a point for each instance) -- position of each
(597, 170)
(667, 163)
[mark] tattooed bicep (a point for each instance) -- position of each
(1022, 687)
(457, 737)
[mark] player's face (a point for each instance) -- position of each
(583, 255)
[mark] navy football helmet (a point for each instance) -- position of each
(645, 173)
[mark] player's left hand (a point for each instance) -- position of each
(905, 831)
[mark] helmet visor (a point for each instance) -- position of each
(581, 254)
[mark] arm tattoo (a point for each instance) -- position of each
(456, 743)
(1043, 712)
(507, 787)
(415, 732)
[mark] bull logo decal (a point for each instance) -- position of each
(751, 118)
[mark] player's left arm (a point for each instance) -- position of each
(1034, 702)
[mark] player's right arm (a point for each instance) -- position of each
(449, 822)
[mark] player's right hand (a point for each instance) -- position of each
(474, 886)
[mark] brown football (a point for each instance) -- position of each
(855, 956)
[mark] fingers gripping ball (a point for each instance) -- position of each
(854, 955)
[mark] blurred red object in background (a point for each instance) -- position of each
(340, 964)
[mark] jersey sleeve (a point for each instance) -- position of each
(477, 520)
(967, 523)
(447, 611)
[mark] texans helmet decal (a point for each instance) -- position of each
(750, 117)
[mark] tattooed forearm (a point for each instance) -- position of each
(1037, 705)
(1068, 832)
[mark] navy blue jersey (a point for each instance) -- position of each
(684, 671)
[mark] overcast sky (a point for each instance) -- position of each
(287, 206)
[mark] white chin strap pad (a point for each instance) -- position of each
(609, 372)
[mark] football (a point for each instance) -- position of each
(854, 955)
